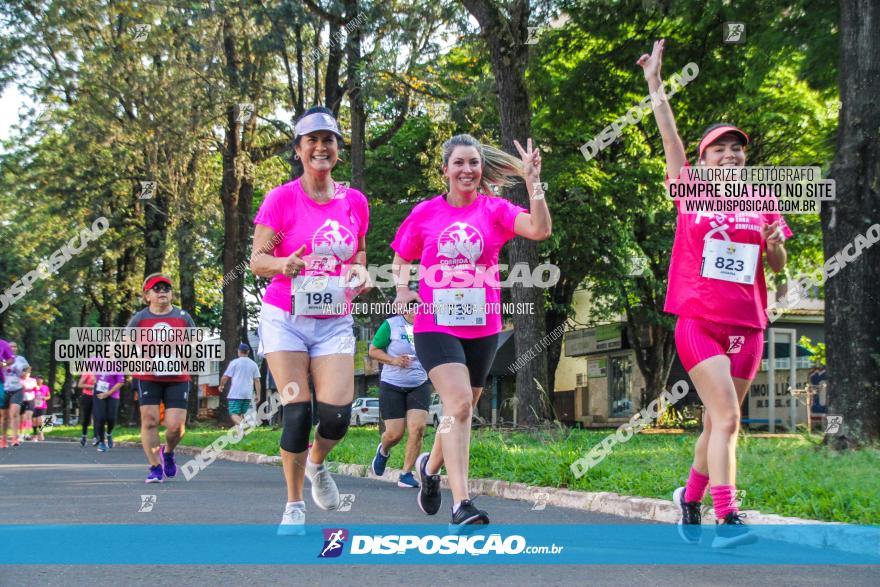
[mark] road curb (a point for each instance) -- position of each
(854, 539)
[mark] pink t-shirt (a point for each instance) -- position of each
(330, 231)
(104, 382)
(449, 239)
(690, 295)
(42, 394)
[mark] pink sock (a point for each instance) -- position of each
(696, 486)
(724, 500)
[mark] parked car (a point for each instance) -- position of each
(365, 410)
(435, 412)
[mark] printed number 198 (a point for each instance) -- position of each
(317, 298)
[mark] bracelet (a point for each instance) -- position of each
(538, 188)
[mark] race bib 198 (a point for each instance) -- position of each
(317, 295)
(460, 307)
(730, 261)
(102, 386)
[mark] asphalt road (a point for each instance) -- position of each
(60, 483)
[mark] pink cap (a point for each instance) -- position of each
(716, 133)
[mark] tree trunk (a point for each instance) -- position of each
(358, 114)
(852, 315)
(561, 295)
(126, 266)
(188, 264)
(654, 348)
(332, 90)
(65, 394)
(50, 379)
(232, 292)
(233, 162)
(155, 231)
(509, 54)
(29, 341)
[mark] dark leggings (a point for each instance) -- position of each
(85, 412)
(105, 411)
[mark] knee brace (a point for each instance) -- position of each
(333, 421)
(297, 424)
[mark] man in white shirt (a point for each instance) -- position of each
(245, 377)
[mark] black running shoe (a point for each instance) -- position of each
(82, 441)
(467, 515)
(690, 525)
(429, 493)
(732, 532)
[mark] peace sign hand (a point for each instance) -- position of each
(651, 63)
(531, 162)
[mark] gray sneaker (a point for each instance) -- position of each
(293, 522)
(324, 491)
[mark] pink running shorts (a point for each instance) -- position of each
(697, 340)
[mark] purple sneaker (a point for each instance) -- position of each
(169, 464)
(156, 475)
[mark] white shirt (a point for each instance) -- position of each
(242, 372)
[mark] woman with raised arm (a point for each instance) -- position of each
(456, 236)
(721, 312)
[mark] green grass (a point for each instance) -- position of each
(787, 476)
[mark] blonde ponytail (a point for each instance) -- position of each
(499, 168)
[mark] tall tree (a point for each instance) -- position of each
(506, 36)
(852, 304)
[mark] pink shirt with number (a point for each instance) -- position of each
(690, 295)
(42, 394)
(330, 231)
(104, 382)
(458, 240)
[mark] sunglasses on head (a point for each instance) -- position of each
(161, 287)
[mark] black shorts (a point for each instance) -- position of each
(439, 348)
(395, 402)
(171, 393)
(15, 396)
(27, 405)
(39, 412)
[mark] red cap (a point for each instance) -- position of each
(716, 132)
(155, 278)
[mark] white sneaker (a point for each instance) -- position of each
(324, 491)
(293, 522)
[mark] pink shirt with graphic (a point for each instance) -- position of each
(42, 394)
(691, 295)
(443, 238)
(330, 231)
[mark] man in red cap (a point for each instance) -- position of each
(169, 388)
